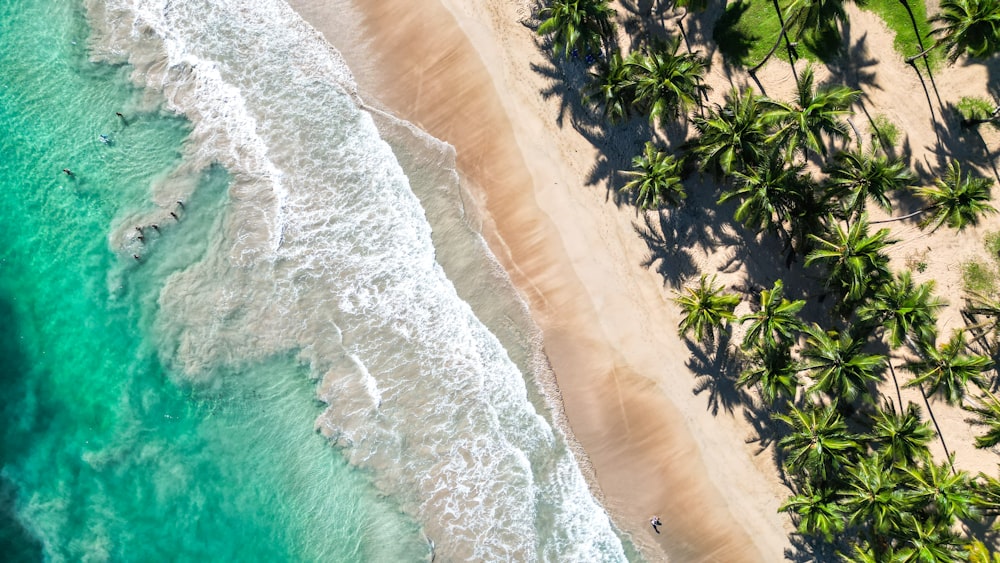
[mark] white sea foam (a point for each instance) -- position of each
(325, 250)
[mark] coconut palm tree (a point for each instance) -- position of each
(612, 88)
(815, 112)
(732, 137)
(943, 494)
(873, 498)
(818, 511)
(853, 258)
(947, 370)
(656, 179)
(929, 542)
(987, 411)
(901, 438)
(767, 194)
(775, 322)
(705, 308)
(666, 83)
(857, 177)
(956, 200)
(774, 370)
(818, 442)
(577, 24)
(838, 365)
(968, 27)
(903, 309)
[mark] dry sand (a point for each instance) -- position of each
(662, 437)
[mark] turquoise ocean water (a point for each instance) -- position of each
(172, 393)
(105, 454)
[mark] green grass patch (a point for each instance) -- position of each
(747, 30)
(974, 107)
(895, 16)
(886, 133)
(992, 243)
(978, 278)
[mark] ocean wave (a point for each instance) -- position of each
(325, 250)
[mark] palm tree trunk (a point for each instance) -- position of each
(930, 412)
(907, 216)
(783, 35)
(909, 60)
(899, 396)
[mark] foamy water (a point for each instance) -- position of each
(324, 250)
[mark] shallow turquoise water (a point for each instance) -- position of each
(105, 454)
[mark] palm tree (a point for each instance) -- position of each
(837, 364)
(818, 511)
(987, 411)
(854, 259)
(800, 125)
(773, 368)
(956, 200)
(705, 309)
(776, 321)
(947, 370)
(942, 493)
(666, 82)
(577, 24)
(818, 442)
(928, 542)
(656, 179)
(902, 437)
(611, 87)
(732, 138)
(968, 26)
(904, 310)
(873, 497)
(767, 194)
(857, 177)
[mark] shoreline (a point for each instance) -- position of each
(577, 262)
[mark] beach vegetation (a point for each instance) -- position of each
(773, 371)
(732, 137)
(775, 322)
(656, 178)
(856, 177)
(968, 27)
(854, 260)
(978, 277)
(885, 133)
(947, 369)
(904, 310)
(706, 309)
(956, 199)
(855, 455)
(577, 25)
(908, 22)
(666, 83)
(838, 364)
(986, 409)
(975, 110)
(611, 87)
(815, 112)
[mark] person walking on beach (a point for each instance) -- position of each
(655, 521)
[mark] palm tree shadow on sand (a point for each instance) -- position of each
(716, 368)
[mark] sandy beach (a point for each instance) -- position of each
(658, 441)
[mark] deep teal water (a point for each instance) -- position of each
(106, 454)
